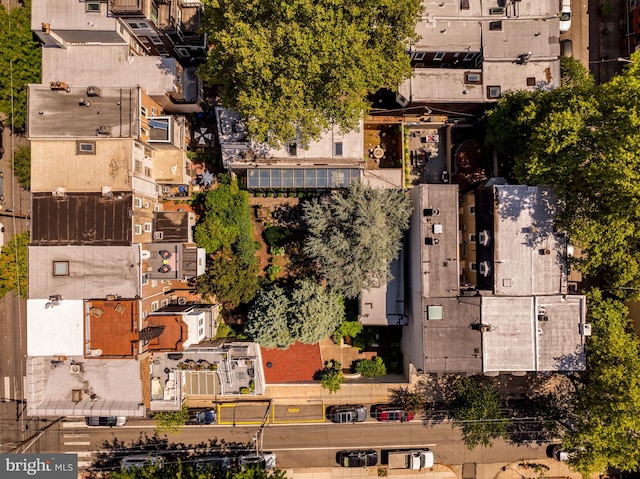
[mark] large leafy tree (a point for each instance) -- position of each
(296, 67)
(303, 311)
(226, 232)
(355, 234)
(477, 411)
(13, 266)
(229, 280)
(606, 427)
(584, 141)
(20, 60)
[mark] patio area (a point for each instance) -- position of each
(232, 369)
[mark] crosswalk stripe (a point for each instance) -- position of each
(73, 424)
(77, 443)
(7, 389)
(75, 434)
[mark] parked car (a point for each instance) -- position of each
(559, 454)
(1, 145)
(565, 16)
(202, 418)
(347, 413)
(359, 458)
(108, 421)
(264, 460)
(213, 462)
(138, 462)
(391, 413)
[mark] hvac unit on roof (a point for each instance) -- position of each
(58, 192)
(76, 368)
(103, 130)
(93, 91)
(106, 192)
(157, 235)
(182, 300)
(585, 329)
(145, 254)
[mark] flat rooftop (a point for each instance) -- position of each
(93, 271)
(81, 219)
(72, 113)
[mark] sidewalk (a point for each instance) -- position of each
(547, 468)
(540, 468)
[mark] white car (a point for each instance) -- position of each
(565, 16)
(265, 460)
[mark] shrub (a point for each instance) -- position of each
(276, 250)
(346, 328)
(275, 235)
(245, 390)
(224, 330)
(331, 376)
(371, 368)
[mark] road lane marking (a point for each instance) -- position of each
(7, 389)
(77, 443)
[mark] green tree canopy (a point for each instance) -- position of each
(20, 62)
(583, 140)
(13, 266)
(171, 421)
(296, 67)
(302, 311)
(477, 411)
(22, 166)
(229, 280)
(355, 234)
(226, 221)
(606, 420)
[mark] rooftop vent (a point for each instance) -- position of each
(103, 130)
(58, 192)
(157, 235)
(76, 368)
(93, 91)
(106, 192)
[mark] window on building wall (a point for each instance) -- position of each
(292, 148)
(154, 112)
(531, 81)
(154, 305)
(143, 111)
(472, 210)
(473, 267)
(145, 278)
(147, 171)
(495, 26)
(147, 227)
(138, 229)
(138, 202)
(61, 268)
(472, 238)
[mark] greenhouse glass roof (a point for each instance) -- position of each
(275, 178)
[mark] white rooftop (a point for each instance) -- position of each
(55, 328)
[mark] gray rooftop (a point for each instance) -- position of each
(450, 343)
(94, 271)
(521, 339)
(384, 306)
(529, 257)
(105, 387)
(435, 230)
(114, 113)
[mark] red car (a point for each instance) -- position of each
(390, 413)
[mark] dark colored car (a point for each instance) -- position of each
(391, 413)
(1, 146)
(347, 413)
(360, 458)
(202, 418)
